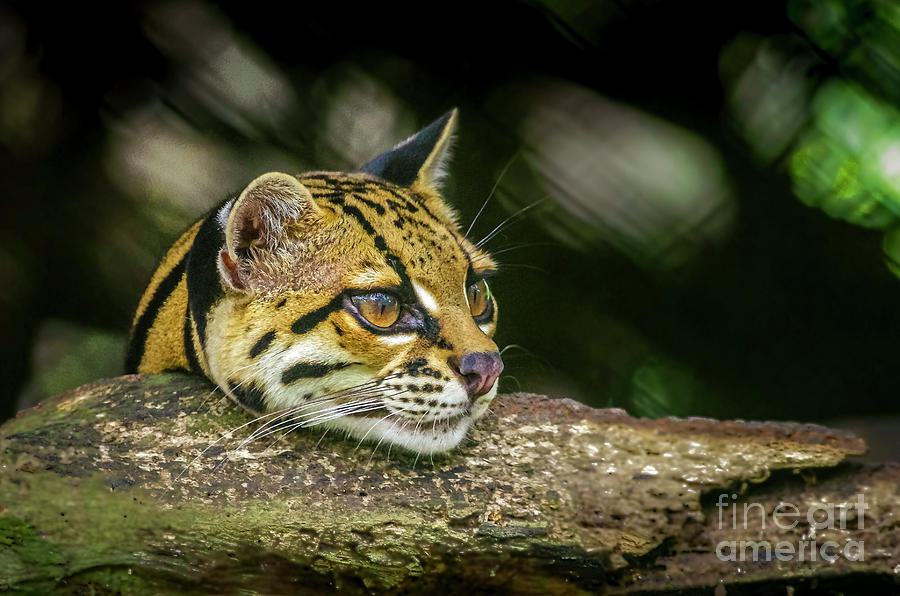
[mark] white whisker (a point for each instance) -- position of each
(508, 220)
(491, 194)
(272, 418)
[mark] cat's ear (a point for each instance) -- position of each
(256, 220)
(421, 158)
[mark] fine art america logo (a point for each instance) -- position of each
(787, 516)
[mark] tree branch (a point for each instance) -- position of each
(547, 496)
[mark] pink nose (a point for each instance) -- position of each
(479, 371)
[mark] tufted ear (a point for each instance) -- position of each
(256, 221)
(420, 158)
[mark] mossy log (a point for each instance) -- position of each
(547, 496)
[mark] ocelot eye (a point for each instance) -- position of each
(378, 308)
(478, 295)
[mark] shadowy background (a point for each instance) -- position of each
(722, 188)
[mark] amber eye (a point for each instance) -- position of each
(378, 308)
(478, 295)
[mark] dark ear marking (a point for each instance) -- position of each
(420, 158)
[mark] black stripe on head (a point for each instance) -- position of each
(262, 344)
(358, 215)
(204, 286)
(379, 209)
(380, 244)
(145, 322)
(308, 322)
(401, 202)
(309, 370)
(250, 395)
(420, 201)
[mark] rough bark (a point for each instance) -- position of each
(548, 496)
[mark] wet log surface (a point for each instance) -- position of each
(547, 496)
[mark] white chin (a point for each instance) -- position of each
(479, 408)
(428, 438)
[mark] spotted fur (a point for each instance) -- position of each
(257, 297)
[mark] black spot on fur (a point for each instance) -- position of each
(431, 373)
(262, 344)
(250, 395)
(412, 367)
(282, 303)
(309, 370)
(337, 329)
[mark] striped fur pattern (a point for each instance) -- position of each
(258, 297)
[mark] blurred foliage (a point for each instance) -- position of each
(848, 162)
(68, 355)
(662, 262)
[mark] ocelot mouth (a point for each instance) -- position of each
(449, 422)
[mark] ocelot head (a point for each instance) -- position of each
(353, 300)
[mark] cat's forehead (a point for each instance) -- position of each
(403, 226)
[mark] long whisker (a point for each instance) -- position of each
(224, 435)
(509, 220)
(381, 440)
(292, 417)
(298, 425)
(491, 194)
(522, 266)
(374, 424)
(319, 418)
(278, 414)
(521, 246)
(508, 346)
(322, 438)
(421, 418)
(357, 391)
(391, 446)
(325, 415)
(339, 409)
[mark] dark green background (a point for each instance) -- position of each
(776, 303)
